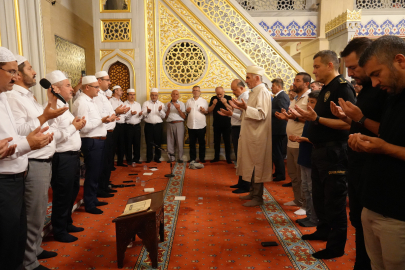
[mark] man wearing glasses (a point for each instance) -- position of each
(197, 109)
(93, 136)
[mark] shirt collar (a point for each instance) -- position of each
(60, 104)
(303, 95)
(278, 93)
(22, 90)
(87, 97)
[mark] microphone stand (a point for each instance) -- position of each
(171, 174)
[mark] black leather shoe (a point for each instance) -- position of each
(229, 161)
(202, 160)
(72, 228)
(278, 179)
(122, 165)
(158, 161)
(46, 255)
(94, 211)
(138, 162)
(113, 169)
(214, 160)
(41, 267)
(235, 186)
(148, 161)
(287, 184)
(103, 194)
(315, 236)
(240, 190)
(101, 203)
(302, 219)
(65, 238)
(327, 254)
(109, 190)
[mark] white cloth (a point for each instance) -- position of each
(77, 95)
(135, 107)
(6, 55)
(115, 103)
(67, 138)
(105, 108)
(100, 74)
(155, 116)
(88, 79)
(174, 114)
(255, 70)
(55, 76)
(293, 127)
(26, 111)
(255, 139)
(235, 118)
(196, 119)
(86, 106)
(18, 162)
(20, 59)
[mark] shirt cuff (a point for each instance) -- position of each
(71, 130)
(23, 147)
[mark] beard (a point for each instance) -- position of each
(28, 81)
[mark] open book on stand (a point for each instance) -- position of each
(137, 207)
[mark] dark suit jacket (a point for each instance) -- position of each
(280, 101)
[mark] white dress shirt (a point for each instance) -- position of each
(135, 107)
(26, 111)
(18, 162)
(235, 118)
(196, 119)
(86, 106)
(174, 114)
(155, 116)
(75, 97)
(67, 138)
(105, 108)
(115, 103)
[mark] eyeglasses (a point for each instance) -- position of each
(13, 72)
(107, 80)
(97, 87)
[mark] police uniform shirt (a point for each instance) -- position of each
(66, 136)
(134, 107)
(18, 162)
(384, 185)
(115, 103)
(26, 111)
(155, 116)
(85, 106)
(337, 88)
(174, 114)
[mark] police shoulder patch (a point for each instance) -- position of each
(327, 95)
(341, 80)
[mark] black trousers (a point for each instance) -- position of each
(65, 184)
(226, 134)
(278, 157)
(133, 139)
(329, 191)
(13, 222)
(93, 156)
(194, 135)
(119, 142)
(355, 182)
(153, 134)
(235, 139)
(107, 161)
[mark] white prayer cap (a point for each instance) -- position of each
(154, 90)
(108, 93)
(55, 76)
(255, 70)
(6, 55)
(131, 91)
(89, 79)
(101, 74)
(116, 87)
(20, 59)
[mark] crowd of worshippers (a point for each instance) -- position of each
(340, 142)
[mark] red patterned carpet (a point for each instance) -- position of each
(209, 230)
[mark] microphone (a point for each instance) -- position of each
(47, 84)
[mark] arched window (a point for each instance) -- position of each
(119, 75)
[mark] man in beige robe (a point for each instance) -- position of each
(254, 149)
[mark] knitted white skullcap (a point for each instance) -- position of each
(101, 74)
(55, 76)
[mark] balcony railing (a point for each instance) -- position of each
(380, 4)
(268, 5)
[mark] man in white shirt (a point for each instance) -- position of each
(133, 134)
(65, 180)
(119, 131)
(93, 136)
(197, 109)
(175, 115)
(295, 127)
(29, 114)
(239, 90)
(13, 169)
(153, 112)
(108, 94)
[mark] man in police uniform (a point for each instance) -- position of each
(329, 158)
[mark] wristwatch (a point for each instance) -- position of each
(317, 120)
(361, 121)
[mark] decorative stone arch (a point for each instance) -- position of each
(110, 60)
